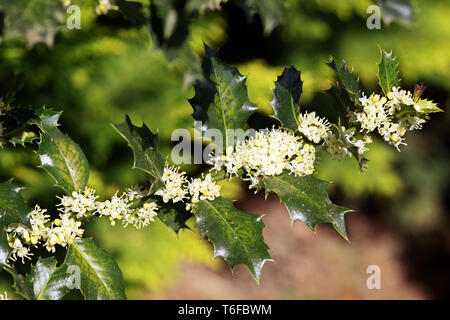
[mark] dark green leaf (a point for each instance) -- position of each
(174, 215)
(143, 143)
(34, 20)
(236, 235)
(48, 281)
(347, 80)
(13, 209)
(221, 102)
(306, 200)
(22, 285)
(60, 156)
(387, 72)
(340, 104)
(286, 98)
(101, 278)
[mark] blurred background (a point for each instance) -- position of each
(112, 67)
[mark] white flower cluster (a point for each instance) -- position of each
(313, 127)
(318, 130)
(124, 208)
(62, 231)
(177, 187)
(141, 217)
(67, 227)
(79, 204)
(204, 188)
(268, 153)
(174, 182)
(4, 296)
(392, 115)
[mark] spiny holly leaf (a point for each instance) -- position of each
(286, 98)
(48, 281)
(426, 106)
(23, 138)
(271, 12)
(221, 102)
(101, 278)
(396, 10)
(60, 156)
(35, 20)
(387, 71)
(347, 80)
(236, 235)
(13, 209)
(143, 143)
(22, 285)
(306, 200)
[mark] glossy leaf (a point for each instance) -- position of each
(60, 156)
(21, 284)
(101, 278)
(48, 281)
(286, 98)
(347, 80)
(307, 200)
(221, 102)
(35, 20)
(13, 210)
(143, 143)
(387, 72)
(174, 215)
(236, 235)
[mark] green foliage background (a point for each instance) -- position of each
(99, 73)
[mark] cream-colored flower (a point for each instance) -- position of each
(19, 251)
(116, 208)
(141, 217)
(303, 163)
(313, 127)
(78, 203)
(174, 182)
(204, 188)
(397, 98)
(373, 114)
